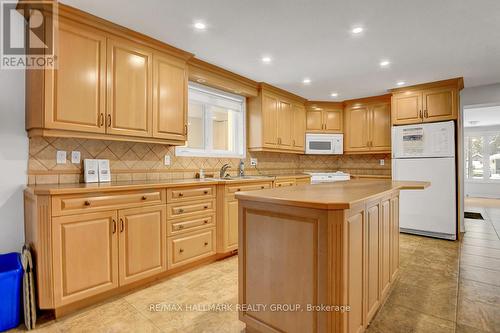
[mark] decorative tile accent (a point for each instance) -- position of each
(141, 161)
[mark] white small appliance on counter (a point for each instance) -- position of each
(95, 171)
(426, 152)
(324, 144)
(328, 177)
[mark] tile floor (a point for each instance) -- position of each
(443, 286)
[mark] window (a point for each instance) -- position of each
(482, 156)
(216, 124)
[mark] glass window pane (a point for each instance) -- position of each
(494, 158)
(474, 157)
(196, 126)
(221, 129)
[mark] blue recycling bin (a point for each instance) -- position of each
(11, 279)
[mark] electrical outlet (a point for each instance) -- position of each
(61, 157)
(166, 160)
(382, 162)
(75, 157)
(253, 161)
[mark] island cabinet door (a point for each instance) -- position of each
(231, 225)
(354, 271)
(142, 242)
(372, 283)
(85, 252)
(385, 247)
(394, 236)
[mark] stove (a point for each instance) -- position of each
(328, 177)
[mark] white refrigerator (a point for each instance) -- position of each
(426, 152)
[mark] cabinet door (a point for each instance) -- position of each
(380, 129)
(231, 225)
(169, 98)
(333, 121)
(315, 120)
(439, 104)
(407, 108)
(285, 117)
(85, 252)
(385, 247)
(76, 91)
(129, 109)
(299, 127)
(355, 271)
(372, 261)
(356, 129)
(394, 236)
(270, 120)
(142, 242)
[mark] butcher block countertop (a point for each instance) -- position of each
(334, 196)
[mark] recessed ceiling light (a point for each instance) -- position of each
(266, 60)
(334, 94)
(200, 25)
(306, 81)
(401, 83)
(357, 30)
(385, 63)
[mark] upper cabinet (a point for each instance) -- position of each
(276, 121)
(367, 125)
(110, 84)
(436, 101)
(324, 117)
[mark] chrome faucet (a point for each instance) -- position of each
(223, 169)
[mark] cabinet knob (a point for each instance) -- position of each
(206, 243)
(262, 187)
(180, 227)
(181, 250)
(205, 222)
(181, 195)
(205, 192)
(144, 197)
(86, 203)
(205, 207)
(181, 210)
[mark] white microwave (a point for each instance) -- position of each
(324, 144)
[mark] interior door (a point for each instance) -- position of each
(85, 252)
(142, 242)
(439, 104)
(407, 108)
(356, 129)
(285, 117)
(129, 89)
(169, 98)
(270, 123)
(333, 121)
(315, 120)
(299, 127)
(380, 131)
(76, 91)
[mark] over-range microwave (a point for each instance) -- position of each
(324, 144)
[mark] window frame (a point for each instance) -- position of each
(485, 132)
(208, 151)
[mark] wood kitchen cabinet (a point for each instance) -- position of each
(373, 257)
(435, 101)
(324, 117)
(109, 84)
(276, 121)
(367, 125)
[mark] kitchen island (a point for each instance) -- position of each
(318, 258)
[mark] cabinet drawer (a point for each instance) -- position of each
(302, 181)
(187, 225)
(247, 187)
(186, 209)
(284, 183)
(186, 248)
(76, 204)
(190, 193)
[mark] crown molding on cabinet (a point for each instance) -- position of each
(455, 82)
(282, 92)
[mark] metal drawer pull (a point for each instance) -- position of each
(86, 203)
(122, 225)
(114, 226)
(181, 250)
(206, 243)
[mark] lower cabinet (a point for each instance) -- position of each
(97, 252)
(394, 236)
(385, 246)
(373, 234)
(189, 247)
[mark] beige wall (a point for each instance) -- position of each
(142, 161)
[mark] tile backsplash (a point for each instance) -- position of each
(145, 161)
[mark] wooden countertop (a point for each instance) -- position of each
(338, 195)
(55, 189)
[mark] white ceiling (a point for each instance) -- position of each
(483, 116)
(425, 40)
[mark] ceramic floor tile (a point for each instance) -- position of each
(478, 315)
(479, 235)
(481, 251)
(480, 292)
(467, 329)
(480, 274)
(493, 244)
(479, 261)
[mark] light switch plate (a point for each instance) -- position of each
(61, 157)
(75, 157)
(253, 161)
(382, 162)
(166, 160)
